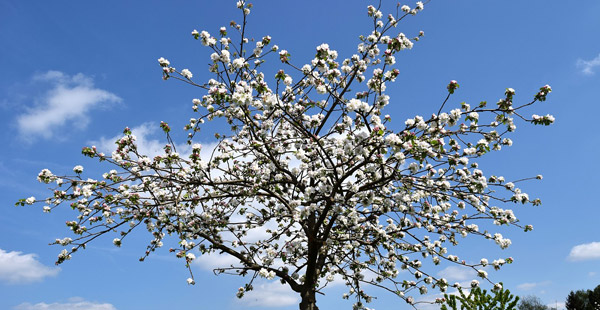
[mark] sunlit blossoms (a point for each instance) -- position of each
(312, 182)
(186, 73)
(77, 169)
(30, 200)
(163, 62)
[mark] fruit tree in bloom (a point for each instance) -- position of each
(309, 160)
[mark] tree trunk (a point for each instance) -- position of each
(309, 301)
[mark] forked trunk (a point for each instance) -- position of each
(309, 302)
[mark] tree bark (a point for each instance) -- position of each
(309, 301)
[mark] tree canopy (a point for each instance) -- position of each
(310, 160)
(531, 303)
(583, 299)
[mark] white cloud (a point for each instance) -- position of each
(148, 145)
(19, 268)
(272, 294)
(66, 104)
(72, 304)
(213, 261)
(586, 251)
(557, 305)
(588, 66)
(457, 273)
(531, 285)
(145, 144)
(526, 286)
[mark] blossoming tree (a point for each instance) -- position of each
(310, 160)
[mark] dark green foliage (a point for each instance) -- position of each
(576, 300)
(479, 299)
(594, 298)
(584, 299)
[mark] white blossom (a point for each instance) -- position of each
(78, 169)
(187, 73)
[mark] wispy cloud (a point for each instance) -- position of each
(588, 66)
(457, 273)
(586, 251)
(66, 104)
(19, 268)
(72, 304)
(272, 294)
(531, 285)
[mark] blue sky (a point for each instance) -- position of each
(77, 72)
